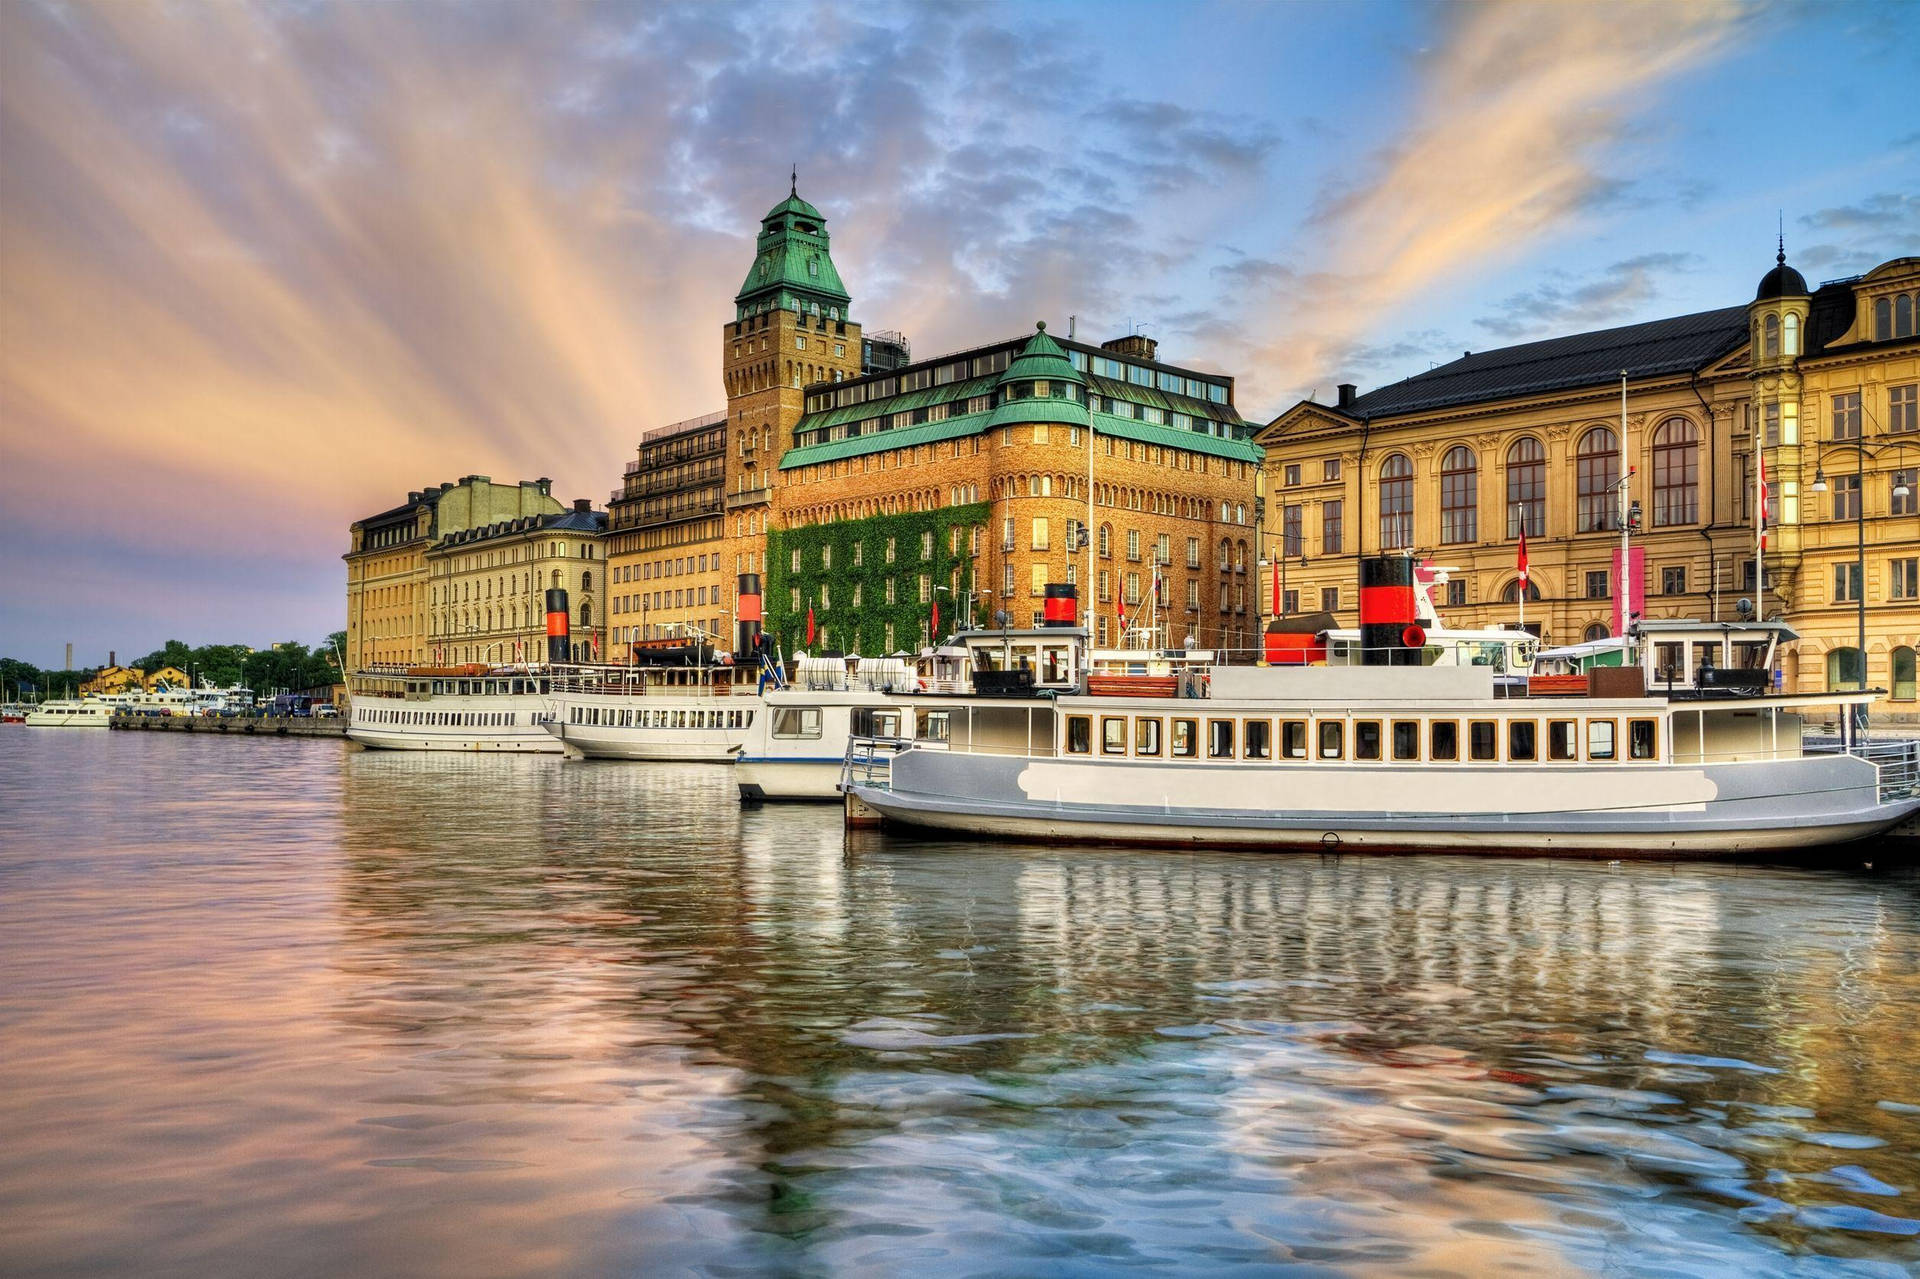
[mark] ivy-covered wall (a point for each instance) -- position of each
(832, 569)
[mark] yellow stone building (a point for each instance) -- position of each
(487, 585)
(1453, 463)
(387, 600)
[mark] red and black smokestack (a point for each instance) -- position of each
(749, 610)
(559, 629)
(1390, 634)
(1061, 606)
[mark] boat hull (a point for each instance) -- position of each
(1721, 810)
(796, 780)
(656, 745)
(535, 741)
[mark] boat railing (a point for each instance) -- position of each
(869, 762)
(1898, 762)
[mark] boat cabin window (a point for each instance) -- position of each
(1521, 740)
(1670, 661)
(1259, 739)
(1219, 739)
(1600, 739)
(1482, 741)
(1406, 739)
(1750, 655)
(1186, 735)
(1443, 740)
(933, 728)
(1079, 735)
(1054, 665)
(1332, 739)
(1113, 735)
(1146, 737)
(796, 721)
(1293, 738)
(1366, 739)
(1643, 741)
(1561, 740)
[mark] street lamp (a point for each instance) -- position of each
(1861, 452)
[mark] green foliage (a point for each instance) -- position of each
(289, 667)
(864, 628)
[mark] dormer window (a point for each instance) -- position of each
(813, 267)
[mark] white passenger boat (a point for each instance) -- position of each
(456, 708)
(1409, 757)
(797, 749)
(668, 704)
(71, 712)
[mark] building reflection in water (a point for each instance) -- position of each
(785, 1049)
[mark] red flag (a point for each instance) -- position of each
(935, 632)
(809, 623)
(1762, 454)
(1523, 554)
(1274, 566)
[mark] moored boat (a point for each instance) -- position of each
(71, 712)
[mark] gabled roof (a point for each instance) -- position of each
(1682, 344)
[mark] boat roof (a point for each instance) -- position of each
(1685, 626)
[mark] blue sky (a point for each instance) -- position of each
(265, 267)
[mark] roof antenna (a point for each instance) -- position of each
(1782, 258)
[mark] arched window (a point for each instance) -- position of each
(1790, 334)
(1106, 541)
(586, 581)
(1459, 495)
(1845, 670)
(1596, 472)
(1526, 488)
(1770, 336)
(1596, 631)
(1396, 502)
(1903, 315)
(1882, 319)
(1511, 595)
(1676, 473)
(586, 612)
(1903, 675)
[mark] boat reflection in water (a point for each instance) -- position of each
(441, 1014)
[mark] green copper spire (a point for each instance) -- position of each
(1042, 363)
(792, 266)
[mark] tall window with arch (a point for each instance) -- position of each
(1676, 473)
(1459, 495)
(1396, 502)
(1526, 488)
(1770, 337)
(1511, 595)
(1596, 467)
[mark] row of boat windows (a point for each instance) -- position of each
(1366, 740)
(648, 717)
(440, 719)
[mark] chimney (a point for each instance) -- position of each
(413, 498)
(113, 658)
(1137, 345)
(584, 505)
(1346, 395)
(546, 486)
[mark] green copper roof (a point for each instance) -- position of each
(1037, 408)
(791, 259)
(1173, 437)
(1042, 357)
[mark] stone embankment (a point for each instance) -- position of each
(236, 725)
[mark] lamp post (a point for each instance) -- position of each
(1861, 452)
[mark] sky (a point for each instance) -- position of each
(264, 267)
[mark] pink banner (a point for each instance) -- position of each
(1629, 589)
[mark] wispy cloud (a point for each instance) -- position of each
(1519, 109)
(1560, 306)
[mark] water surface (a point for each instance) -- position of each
(283, 1008)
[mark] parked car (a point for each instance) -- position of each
(326, 710)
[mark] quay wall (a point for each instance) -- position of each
(235, 725)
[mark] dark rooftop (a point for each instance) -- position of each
(1679, 345)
